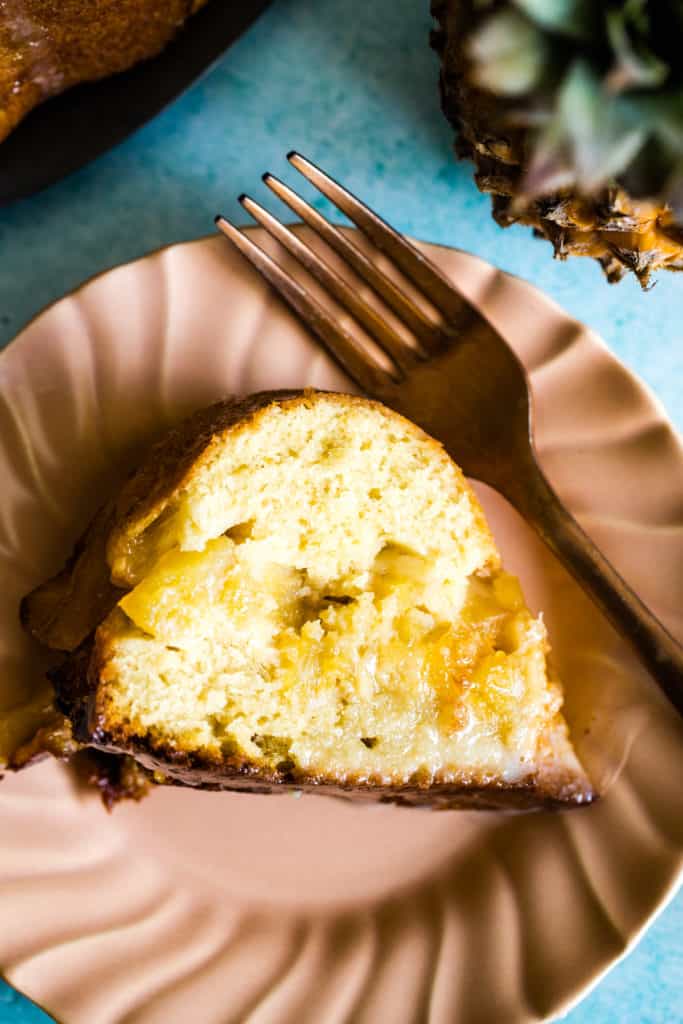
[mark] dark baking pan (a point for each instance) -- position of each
(70, 130)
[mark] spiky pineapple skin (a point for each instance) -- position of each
(622, 233)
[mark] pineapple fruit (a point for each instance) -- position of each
(572, 112)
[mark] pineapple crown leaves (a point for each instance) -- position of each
(597, 83)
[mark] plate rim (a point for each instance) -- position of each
(596, 338)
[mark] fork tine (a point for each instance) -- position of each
(414, 265)
(341, 345)
(430, 335)
(399, 351)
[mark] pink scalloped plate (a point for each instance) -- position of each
(226, 908)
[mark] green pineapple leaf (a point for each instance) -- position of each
(590, 139)
(509, 54)
(673, 192)
(597, 87)
(574, 18)
(636, 66)
(664, 115)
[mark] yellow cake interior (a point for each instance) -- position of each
(323, 592)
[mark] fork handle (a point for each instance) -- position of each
(662, 656)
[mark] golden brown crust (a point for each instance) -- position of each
(46, 46)
(538, 792)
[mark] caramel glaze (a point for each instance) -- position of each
(46, 46)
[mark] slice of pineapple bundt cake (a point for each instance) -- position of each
(301, 590)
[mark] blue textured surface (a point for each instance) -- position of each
(351, 83)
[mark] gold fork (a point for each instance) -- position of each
(460, 382)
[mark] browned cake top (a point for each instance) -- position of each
(48, 45)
